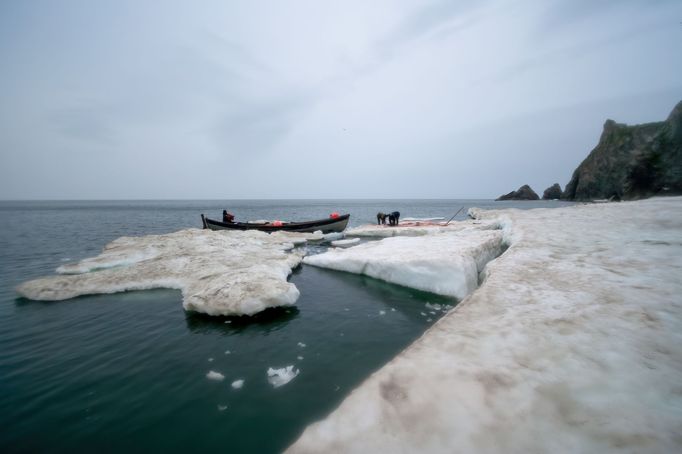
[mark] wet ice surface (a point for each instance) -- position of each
(445, 261)
(219, 273)
(280, 377)
(572, 344)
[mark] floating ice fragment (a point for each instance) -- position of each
(428, 319)
(227, 352)
(423, 314)
(222, 407)
(346, 243)
(219, 273)
(228, 321)
(280, 377)
(210, 360)
(432, 313)
(442, 262)
(300, 358)
(237, 384)
(435, 307)
(301, 344)
(213, 375)
(382, 312)
(393, 309)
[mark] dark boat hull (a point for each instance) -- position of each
(325, 225)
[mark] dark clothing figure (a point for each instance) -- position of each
(381, 218)
(227, 217)
(394, 218)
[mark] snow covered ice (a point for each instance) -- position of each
(573, 343)
(442, 261)
(280, 377)
(219, 273)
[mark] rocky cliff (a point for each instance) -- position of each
(632, 162)
(552, 192)
(523, 193)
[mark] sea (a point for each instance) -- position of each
(128, 371)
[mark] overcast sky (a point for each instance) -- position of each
(313, 99)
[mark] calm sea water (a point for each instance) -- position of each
(119, 372)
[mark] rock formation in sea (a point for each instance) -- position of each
(632, 162)
(523, 193)
(552, 192)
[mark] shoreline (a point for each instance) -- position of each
(570, 344)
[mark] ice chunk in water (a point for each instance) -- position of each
(213, 375)
(346, 243)
(222, 407)
(382, 312)
(435, 307)
(446, 263)
(301, 344)
(219, 273)
(237, 384)
(280, 377)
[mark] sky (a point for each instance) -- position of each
(319, 99)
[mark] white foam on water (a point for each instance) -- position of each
(237, 384)
(213, 375)
(219, 273)
(280, 377)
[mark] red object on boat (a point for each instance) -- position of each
(334, 215)
(277, 223)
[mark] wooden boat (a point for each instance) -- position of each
(331, 224)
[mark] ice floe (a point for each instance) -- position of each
(301, 344)
(219, 273)
(280, 377)
(346, 243)
(446, 263)
(237, 384)
(213, 375)
(573, 343)
(222, 407)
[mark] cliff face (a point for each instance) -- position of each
(632, 162)
(523, 193)
(552, 192)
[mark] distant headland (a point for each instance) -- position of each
(628, 163)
